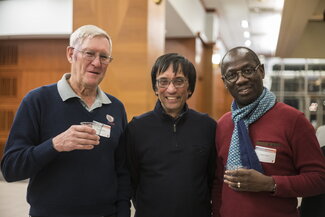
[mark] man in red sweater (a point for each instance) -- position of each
(268, 154)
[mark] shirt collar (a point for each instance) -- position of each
(66, 92)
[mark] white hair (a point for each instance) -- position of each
(88, 31)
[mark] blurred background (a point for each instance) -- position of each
(288, 36)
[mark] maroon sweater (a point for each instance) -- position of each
(299, 168)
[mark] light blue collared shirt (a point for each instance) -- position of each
(66, 92)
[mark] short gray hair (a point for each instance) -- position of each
(88, 31)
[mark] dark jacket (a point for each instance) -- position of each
(172, 163)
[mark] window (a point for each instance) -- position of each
(301, 86)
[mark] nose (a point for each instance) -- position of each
(171, 88)
(240, 77)
(96, 61)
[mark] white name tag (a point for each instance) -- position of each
(265, 155)
(102, 129)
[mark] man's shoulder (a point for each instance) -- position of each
(143, 121)
(281, 105)
(281, 109)
(43, 91)
(114, 99)
(143, 117)
(225, 117)
(200, 116)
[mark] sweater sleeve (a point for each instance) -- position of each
(217, 188)
(124, 188)
(132, 159)
(212, 158)
(309, 162)
(25, 154)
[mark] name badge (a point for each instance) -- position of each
(265, 155)
(103, 130)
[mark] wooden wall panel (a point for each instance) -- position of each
(187, 48)
(221, 97)
(200, 55)
(8, 54)
(2, 145)
(210, 95)
(27, 64)
(137, 31)
(204, 53)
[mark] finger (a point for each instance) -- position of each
(233, 185)
(231, 178)
(91, 137)
(72, 147)
(231, 172)
(243, 172)
(85, 135)
(83, 147)
(84, 128)
(82, 141)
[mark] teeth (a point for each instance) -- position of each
(171, 97)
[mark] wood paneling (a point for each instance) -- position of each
(2, 145)
(221, 97)
(137, 31)
(6, 118)
(8, 55)
(25, 65)
(8, 86)
(200, 55)
(187, 48)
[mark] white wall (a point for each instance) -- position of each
(35, 18)
(191, 17)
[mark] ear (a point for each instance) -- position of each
(69, 53)
(261, 68)
(224, 82)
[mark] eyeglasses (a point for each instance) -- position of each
(232, 76)
(91, 56)
(177, 82)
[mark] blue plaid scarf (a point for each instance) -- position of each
(241, 152)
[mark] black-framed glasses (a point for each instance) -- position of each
(248, 72)
(91, 56)
(177, 82)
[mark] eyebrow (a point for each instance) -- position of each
(248, 65)
(93, 51)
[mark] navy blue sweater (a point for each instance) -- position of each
(172, 163)
(80, 182)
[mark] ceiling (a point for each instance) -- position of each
(299, 34)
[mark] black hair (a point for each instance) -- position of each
(179, 63)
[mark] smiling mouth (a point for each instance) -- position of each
(96, 73)
(244, 91)
(172, 98)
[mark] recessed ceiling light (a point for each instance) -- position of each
(248, 43)
(244, 24)
(246, 34)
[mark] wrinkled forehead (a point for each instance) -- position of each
(98, 43)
